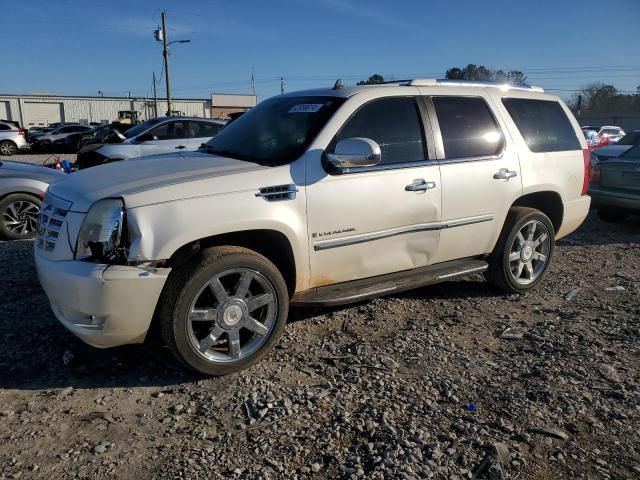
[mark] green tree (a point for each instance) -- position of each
(482, 73)
(374, 79)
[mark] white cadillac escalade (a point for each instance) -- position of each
(321, 197)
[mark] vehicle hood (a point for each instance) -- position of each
(153, 179)
(611, 150)
(10, 169)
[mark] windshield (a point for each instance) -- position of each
(275, 132)
(632, 138)
(134, 131)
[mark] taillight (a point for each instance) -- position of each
(20, 131)
(586, 155)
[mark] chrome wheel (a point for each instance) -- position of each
(529, 252)
(21, 217)
(232, 315)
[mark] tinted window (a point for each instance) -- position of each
(393, 123)
(611, 131)
(4, 127)
(468, 127)
(543, 124)
(169, 131)
(203, 129)
(134, 131)
(277, 131)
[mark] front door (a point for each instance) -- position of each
(480, 173)
(169, 137)
(375, 220)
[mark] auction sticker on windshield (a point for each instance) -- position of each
(306, 108)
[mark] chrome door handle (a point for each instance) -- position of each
(420, 185)
(180, 147)
(505, 174)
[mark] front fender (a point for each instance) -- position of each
(22, 185)
(158, 231)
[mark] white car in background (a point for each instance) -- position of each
(12, 139)
(153, 137)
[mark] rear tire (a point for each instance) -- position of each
(523, 253)
(19, 214)
(8, 148)
(611, 215)
(224, 310)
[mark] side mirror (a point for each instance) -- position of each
(355, 152)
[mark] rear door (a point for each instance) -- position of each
(201, 132)
(169, 137)
(479, 169)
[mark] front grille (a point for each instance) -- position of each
(51, 220)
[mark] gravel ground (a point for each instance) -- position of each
(449, 381)
(39, 158)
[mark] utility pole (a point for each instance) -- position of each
(155, 97)
(165, 53)
(253, 82)
(281, 85)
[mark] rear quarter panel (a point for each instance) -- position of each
(559, 172)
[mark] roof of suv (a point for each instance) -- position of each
(345, 92)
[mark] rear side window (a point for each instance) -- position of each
(393, 123)
(468, 127)
(4, 127)
(543, 124)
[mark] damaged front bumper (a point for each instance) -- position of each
(104, 305)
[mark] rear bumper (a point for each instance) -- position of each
(575, 212)
(103, 305)
(616, 199)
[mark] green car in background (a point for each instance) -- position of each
(615, 185)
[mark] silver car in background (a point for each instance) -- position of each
(12, 139)
(611, 133)
(22, 187)
(153, 137)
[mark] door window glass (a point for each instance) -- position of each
(169, 131)
(203, 129)
(393, 123)
(468, 127)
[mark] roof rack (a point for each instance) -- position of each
(431, 82)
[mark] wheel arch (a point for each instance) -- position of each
(272, 244)
(548, 202)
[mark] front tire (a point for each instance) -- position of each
(224, 310)
(19, 214)
(523, 252)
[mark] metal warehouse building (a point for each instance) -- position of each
(41, 110)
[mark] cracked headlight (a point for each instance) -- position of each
(102, 237)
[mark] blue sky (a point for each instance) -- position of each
(79, 47)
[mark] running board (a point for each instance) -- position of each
(364, 289)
